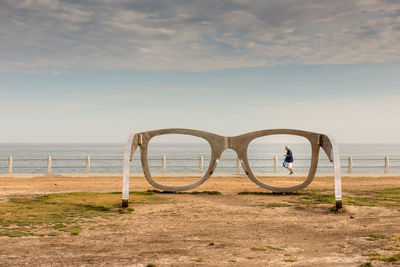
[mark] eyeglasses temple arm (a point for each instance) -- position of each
(131, 146)
(330, 147)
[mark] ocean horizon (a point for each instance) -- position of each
(184, 157)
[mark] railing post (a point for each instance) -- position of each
(201, 164)
(237, 166)
(275, 164)
(49, 165)
(87, 164)
(350, 165)
(386, 165)
(164, 164)
(10, 165)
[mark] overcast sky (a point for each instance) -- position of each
(79, 71)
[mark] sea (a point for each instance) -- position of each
(186, 157)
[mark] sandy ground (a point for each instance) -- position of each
(208, 230)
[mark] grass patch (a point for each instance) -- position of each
(64, 212)
(75, 230)
(258, 249)
(126, 210)
(371, 253)
(387, 257)
(186, 193)
(389, 197)
(275, 248)
(197, 259)
(53, 234)
(314, 197)
(389, 248)
(267, 193)
(290, 260)
(376, 236)
(273, 205)
(15, 233)
(366, 264)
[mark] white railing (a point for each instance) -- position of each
(86, 164)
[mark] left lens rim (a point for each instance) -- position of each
(145, 165)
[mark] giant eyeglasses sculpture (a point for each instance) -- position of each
(240, 145)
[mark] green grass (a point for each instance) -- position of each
(374, 255)
(273, 205)
(388, 257)
(187, 193)
(258, 249)
(75, 230)
(63, 212)
(275, 248)
(267, 193)
(386, 197)
(376, 236)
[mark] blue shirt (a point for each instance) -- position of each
(289, 156)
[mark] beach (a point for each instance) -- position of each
(227, 221)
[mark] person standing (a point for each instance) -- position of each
(289, 159)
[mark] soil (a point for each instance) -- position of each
(228, 229)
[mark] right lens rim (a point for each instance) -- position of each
(312, 138)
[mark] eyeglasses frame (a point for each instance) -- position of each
(240, 145)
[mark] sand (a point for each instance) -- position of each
(209, 230)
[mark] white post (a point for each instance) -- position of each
(275, 164)
(10, 165)
(237, 166)
(164, 164)
(49, 165)
(201, 164)
(350, 165)
(386, 165)
(87, 164)
(129, 151)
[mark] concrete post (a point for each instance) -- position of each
(10, 165)
(87, 164)
(49, 165)
(350, 165)
(275, 164)
(164, 164)
(386, 165)
(237, 166)
(201, 164)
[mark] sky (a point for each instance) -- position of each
(96, 71)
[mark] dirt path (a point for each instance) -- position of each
(209, 230)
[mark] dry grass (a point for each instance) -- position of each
(63, 212)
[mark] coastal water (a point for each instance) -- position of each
(185, 158)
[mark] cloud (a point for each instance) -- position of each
(43, 35)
